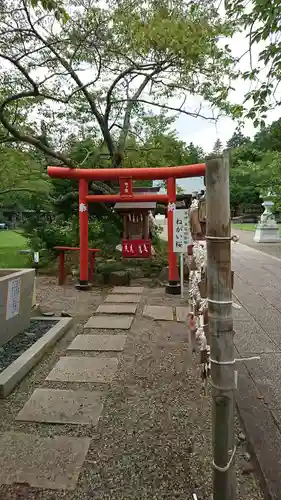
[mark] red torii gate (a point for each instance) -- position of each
(127, 174)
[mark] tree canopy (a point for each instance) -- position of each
(98, 70)
(261, 21)
(256, 166)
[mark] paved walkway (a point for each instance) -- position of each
(257, 287)
(246, 238)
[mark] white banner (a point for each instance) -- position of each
(181, 235)
(13, 298)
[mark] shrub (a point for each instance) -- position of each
(44, 235)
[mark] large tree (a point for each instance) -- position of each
(260, 20)
(98, 70)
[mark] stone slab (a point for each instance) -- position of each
(117, 309)
(14, 373)
(159, 312)
(62, 407)
(12, 324)
(128, 290)
(125, 299)
(181, 314)
(53, 463)
(266, 374)
(84, 369)
(263, 435)
(98, 343)
(110, 322)
(250, 338)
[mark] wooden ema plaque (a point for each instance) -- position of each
(136, 249)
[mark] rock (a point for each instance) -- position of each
(247, 468)
(247, 456)
(119, 278)
(48, 314)
(136, 272)
(241, 436)
(65, 314)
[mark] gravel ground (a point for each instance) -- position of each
(19, 344)
(246, 238)
(154, 438)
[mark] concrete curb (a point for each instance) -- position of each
(14, 373)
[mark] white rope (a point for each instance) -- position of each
(236, 306)
(218, 237)
(234, 238)
(220, 301)
(233, 361)
(225, 469)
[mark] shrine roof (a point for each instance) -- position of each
(129, 205)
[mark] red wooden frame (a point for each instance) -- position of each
(92, 260)
(86, 175)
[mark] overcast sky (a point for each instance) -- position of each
(204, 133)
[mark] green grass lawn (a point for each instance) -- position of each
(246, 226)
(11, 242)
(249, 227)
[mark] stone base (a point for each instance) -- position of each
(83, 286)
(119, 278)
(173, 288)
(267, 234)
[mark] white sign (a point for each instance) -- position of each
(13, 298)
(182, 235)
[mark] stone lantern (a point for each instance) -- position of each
(267, 230)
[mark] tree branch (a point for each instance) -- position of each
(165, 106)
(75, 77)
(25, 137)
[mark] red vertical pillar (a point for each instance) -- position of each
(83, 229)
(61, 268)
(173, 286)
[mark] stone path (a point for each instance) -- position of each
(54, 463)
(137, 433)
(257, 325)
(62, 406)
(117, 309)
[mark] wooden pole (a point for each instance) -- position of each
(221, 326)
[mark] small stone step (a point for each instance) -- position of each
(117, 309)
(126, 299)
(84, 369)
(62, 407)
(159, 313)
(98, 343)
(110, 322)
(181, 313)
(42, 462)
(138, 290)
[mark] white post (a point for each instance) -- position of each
(181, 274)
